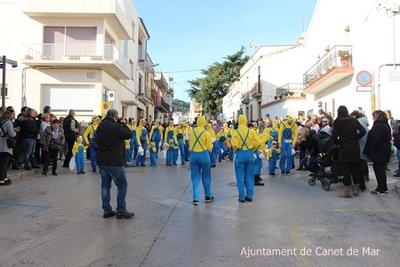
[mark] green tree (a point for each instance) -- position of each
(210, 89)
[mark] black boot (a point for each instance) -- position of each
(257, 182)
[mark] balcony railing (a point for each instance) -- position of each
(245, 98)
(339, 56)
(76, 52)
(165, 105)
(289, 89)
(256, 90)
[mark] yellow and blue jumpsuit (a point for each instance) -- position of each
(287, 137)
(170, 139)
(186, 138)
(142, 140)
(272, 157)
(133, 145)
(156, 134)
(78, 151)
(180, 135)
(88, 137)
(200, 165)
(244, 141)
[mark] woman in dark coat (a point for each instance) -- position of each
(378, 149)
(346, 133)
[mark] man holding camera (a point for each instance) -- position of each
(110, 139)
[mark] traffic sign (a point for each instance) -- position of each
(364, 78)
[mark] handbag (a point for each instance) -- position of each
(11, 142)
(54, 146)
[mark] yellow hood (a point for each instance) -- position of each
(201, 121)
(242, 120)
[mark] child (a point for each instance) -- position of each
(153, 154)
(170, 152)
(272, 157)
(79, 153)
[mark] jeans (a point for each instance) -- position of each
(29, 152)
(4, 159)
(257, 164)
(200, 168)
(93, 157)
(398, 161)
(116, 174)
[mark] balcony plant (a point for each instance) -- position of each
(345, 57)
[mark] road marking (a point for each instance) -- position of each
(298, 242)
(38, 209)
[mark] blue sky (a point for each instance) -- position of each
(190, 35)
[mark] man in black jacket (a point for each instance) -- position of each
(110, 139)
(71, 132)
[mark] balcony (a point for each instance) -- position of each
(335, 66)
(256, 91)
(78, 55)
(246, 98)
(161, 82)
(146, 98)
(117, 17)
(289, 90)
(161, 104)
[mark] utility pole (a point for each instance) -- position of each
(3, 66)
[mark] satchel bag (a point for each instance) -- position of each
(11, 142)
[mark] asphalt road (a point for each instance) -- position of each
(57, 221)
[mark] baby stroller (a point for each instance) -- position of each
(324, 167)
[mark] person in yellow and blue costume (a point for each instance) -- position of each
(186, 138)
(78, 151)
(88, 137)
(244, 141)
(142, 140)
(287, 138)
(200, 166)
(272, 157)
(213, 141)
(133, 146)
(153, 154)
(180, 135)
(156, 134)
(170, 139)
(258, 164)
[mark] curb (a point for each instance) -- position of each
(16, 176)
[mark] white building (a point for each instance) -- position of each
(366, 31)
(231, 103)
(195, 110)
(347, 42)
(83, 55)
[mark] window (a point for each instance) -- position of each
(125, 48)
(133, 31)
(132, 70)
(140, 83)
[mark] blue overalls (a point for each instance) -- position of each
(272, 162)
(92, 151)
(156, 138)
(244, 170)
(171, 150)
(214, 154)
(257, 163)
(200, 168)
(153, 157)
(222, 148)
(186, 150)
(286, 161)
(80, 160)
(133, 149)
(181, 147)
(140, 161)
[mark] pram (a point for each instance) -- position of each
(324, 167)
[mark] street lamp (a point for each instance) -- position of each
(3, 65)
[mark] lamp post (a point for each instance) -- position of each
(3, 66)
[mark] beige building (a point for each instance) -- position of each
(161, 103)
(195, 110)
(88, 55)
